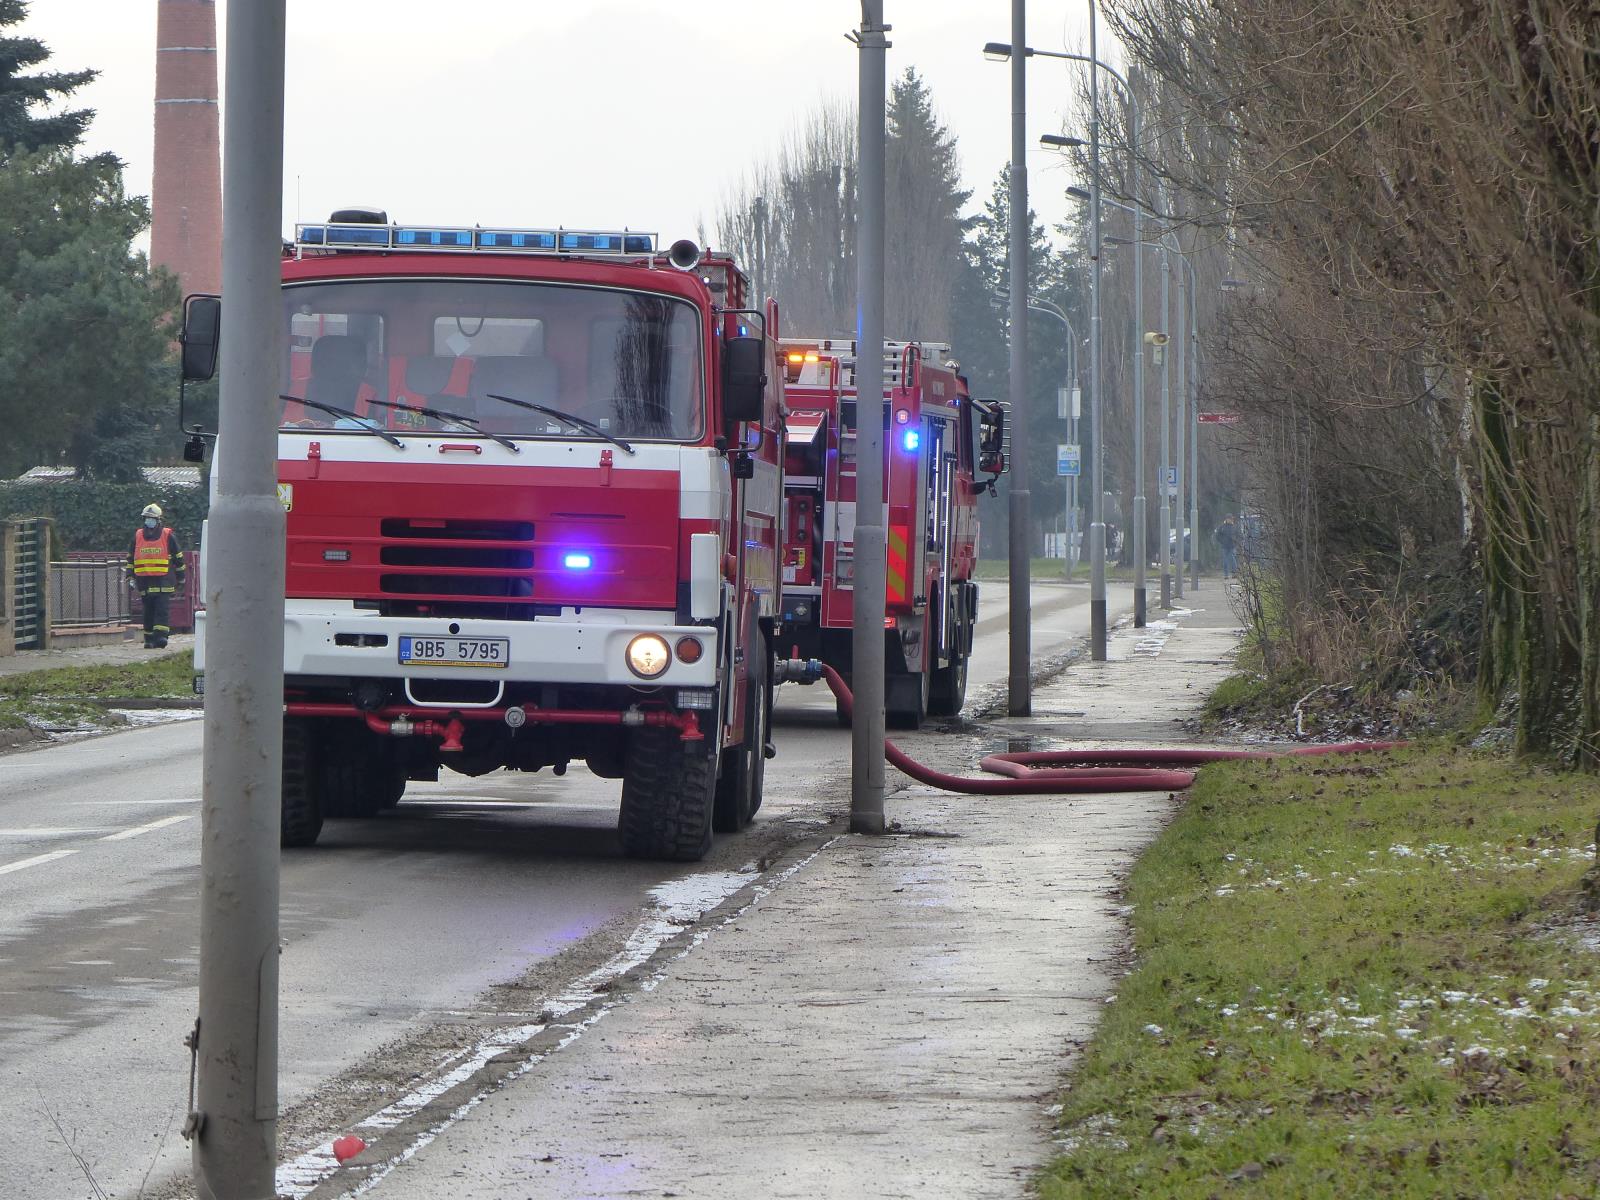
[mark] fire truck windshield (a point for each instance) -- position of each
(628, 364)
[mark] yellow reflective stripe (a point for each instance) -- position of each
(897, 562)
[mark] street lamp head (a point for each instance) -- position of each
(997, 51)
(1231, 284)
(1077, 193)
(1112, 239)
(1056, 141)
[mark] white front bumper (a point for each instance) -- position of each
(572, 648)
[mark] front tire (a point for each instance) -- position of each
(668, 791)
(300, 822)
(739, 789)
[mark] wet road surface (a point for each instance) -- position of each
(390, 926)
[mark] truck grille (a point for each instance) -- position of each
(465, 558)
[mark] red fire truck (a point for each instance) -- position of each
(532, 482)
(937, 441)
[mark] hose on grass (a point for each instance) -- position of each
(1055, 772)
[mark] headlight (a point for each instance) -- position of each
(648, 655)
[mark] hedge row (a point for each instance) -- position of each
(103, 516)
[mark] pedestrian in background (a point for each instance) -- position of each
(158, 571)
(1227, 535)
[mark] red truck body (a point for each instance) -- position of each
(532, 482)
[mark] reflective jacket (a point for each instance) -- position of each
(157, 560)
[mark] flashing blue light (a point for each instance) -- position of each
(591, 241)
(577, 562)
(422, 236)
(311, 235)
(515, 239)
(357, 235)
(911, 439)
(638, 243)
(744, 331)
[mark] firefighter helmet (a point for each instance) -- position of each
(152, 510)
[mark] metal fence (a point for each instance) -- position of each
(29, 571)
(88, 593)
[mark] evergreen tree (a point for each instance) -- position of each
(22, 94)
(982, 344)
(796, 218)
(83, 329)
(925, 197)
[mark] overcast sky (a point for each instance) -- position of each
(644, 113)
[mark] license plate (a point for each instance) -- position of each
(454, 651)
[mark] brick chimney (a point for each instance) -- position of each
(186, 187)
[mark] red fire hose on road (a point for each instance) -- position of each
(1059, 771)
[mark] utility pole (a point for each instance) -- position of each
(1141, 552)
(1166, 433)
(1180, 555)
(1194, 430)
(867, 598)
(1020, 688)
(1097, 526)
(235, 1118)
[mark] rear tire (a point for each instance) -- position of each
(359, 774)
(668, 791)
(947, 692)
(300, 821)
(739, 788)
(906, 701)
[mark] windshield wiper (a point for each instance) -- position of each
(575, 422)
(457, 419)
(366, 424)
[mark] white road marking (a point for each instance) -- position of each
(140, 830)
(174, 800)
(36, 860)
(49, 831)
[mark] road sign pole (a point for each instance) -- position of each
(235, 1119)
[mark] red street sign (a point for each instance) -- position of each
(1206, 418)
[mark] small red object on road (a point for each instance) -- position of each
(348, 1147)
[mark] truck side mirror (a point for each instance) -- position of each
(744, 378)
(992, 440)
(202, 330)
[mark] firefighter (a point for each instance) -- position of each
(158, 568)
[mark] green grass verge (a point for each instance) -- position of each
(167, 675)
(1357, 977)
(22, 714)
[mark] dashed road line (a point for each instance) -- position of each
(148, 827)
(35, 861)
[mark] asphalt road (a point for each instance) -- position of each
(399, 932)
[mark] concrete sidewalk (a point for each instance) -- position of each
(883, 1017)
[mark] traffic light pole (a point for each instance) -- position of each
(234, 1121)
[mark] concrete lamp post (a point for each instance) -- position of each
(1019, 688)
(1017, 51)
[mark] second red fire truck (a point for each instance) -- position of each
(938, 442)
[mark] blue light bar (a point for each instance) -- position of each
(351, 236)
(577, 562)
(515, 239)
(911, 439)
(412, 235)
(355, 235)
